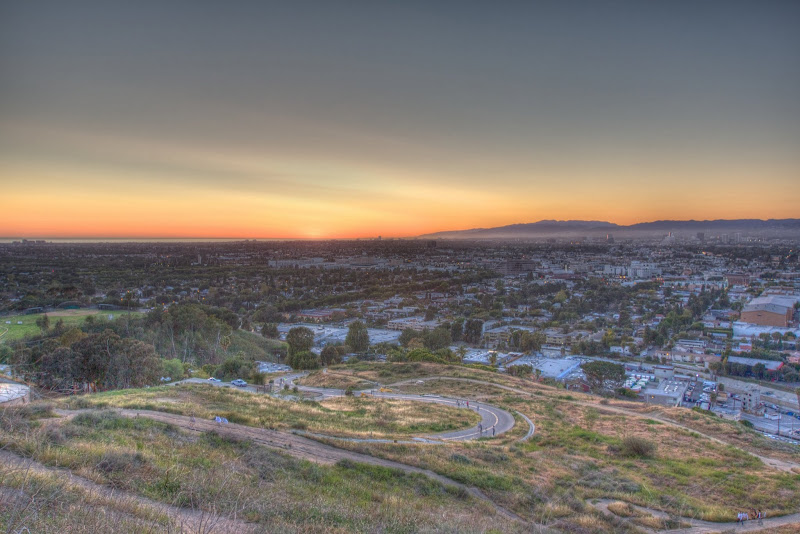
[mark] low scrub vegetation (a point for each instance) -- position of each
(210, 473)
(637, 447)
(344, 417)
(582, 450)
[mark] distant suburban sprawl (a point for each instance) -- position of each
(493, 370)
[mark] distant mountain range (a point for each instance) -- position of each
(547, 228)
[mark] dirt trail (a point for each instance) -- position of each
(780, 465)
(699, 526)
(300, 447)
(186, 519)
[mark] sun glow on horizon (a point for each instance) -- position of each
(233, 122)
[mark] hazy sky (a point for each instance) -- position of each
(363, 118)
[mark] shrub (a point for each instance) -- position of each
(637, 447)
(349, 391)
(116, 462)
(460, 459)
(745, 423)
(522, 371)
(172, 368)
(105, 420)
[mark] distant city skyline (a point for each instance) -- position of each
(317, 120)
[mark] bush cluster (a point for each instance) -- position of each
(637, 447)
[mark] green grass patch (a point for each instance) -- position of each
(14, 327)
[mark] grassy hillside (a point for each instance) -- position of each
(346, 417)
(586, 453)
(213, 473)
(254, 346)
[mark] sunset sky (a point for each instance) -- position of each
(363, 118)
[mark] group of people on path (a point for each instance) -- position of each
(478, 409)
(752, 514)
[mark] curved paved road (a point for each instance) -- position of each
(780, 465)
(494, 421)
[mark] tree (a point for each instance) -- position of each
(330, 355)
(457, 329)
(603, 376)
(473, 330)
(43, 322)
(73, 335)
(462, 351)
(270, 330)
(406, 336)
(139, 365)
(430, 313)
(236, 367)
(93, 354)
(299, 339)
(57, 368)
(60, 327)
(532, 342)
(521, 371)
(357, 337)
(303, 360)
(172, 368)
(608, 338)
(438, 338)
(759, 369)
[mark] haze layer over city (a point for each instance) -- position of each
(407, 267)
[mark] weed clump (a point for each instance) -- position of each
(105, 420)
(636, 447)
(119, 462)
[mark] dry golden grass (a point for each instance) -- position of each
(622, 509)
(344, 417)
(211, 472)
(574, 455)
(334, 380)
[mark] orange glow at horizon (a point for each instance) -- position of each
(391, 119)
(45, 201)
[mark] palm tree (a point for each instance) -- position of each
(462, 351)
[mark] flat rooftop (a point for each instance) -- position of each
(558, 368)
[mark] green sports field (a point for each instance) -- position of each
(18, 326)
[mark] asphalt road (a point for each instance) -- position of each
(787, 424)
